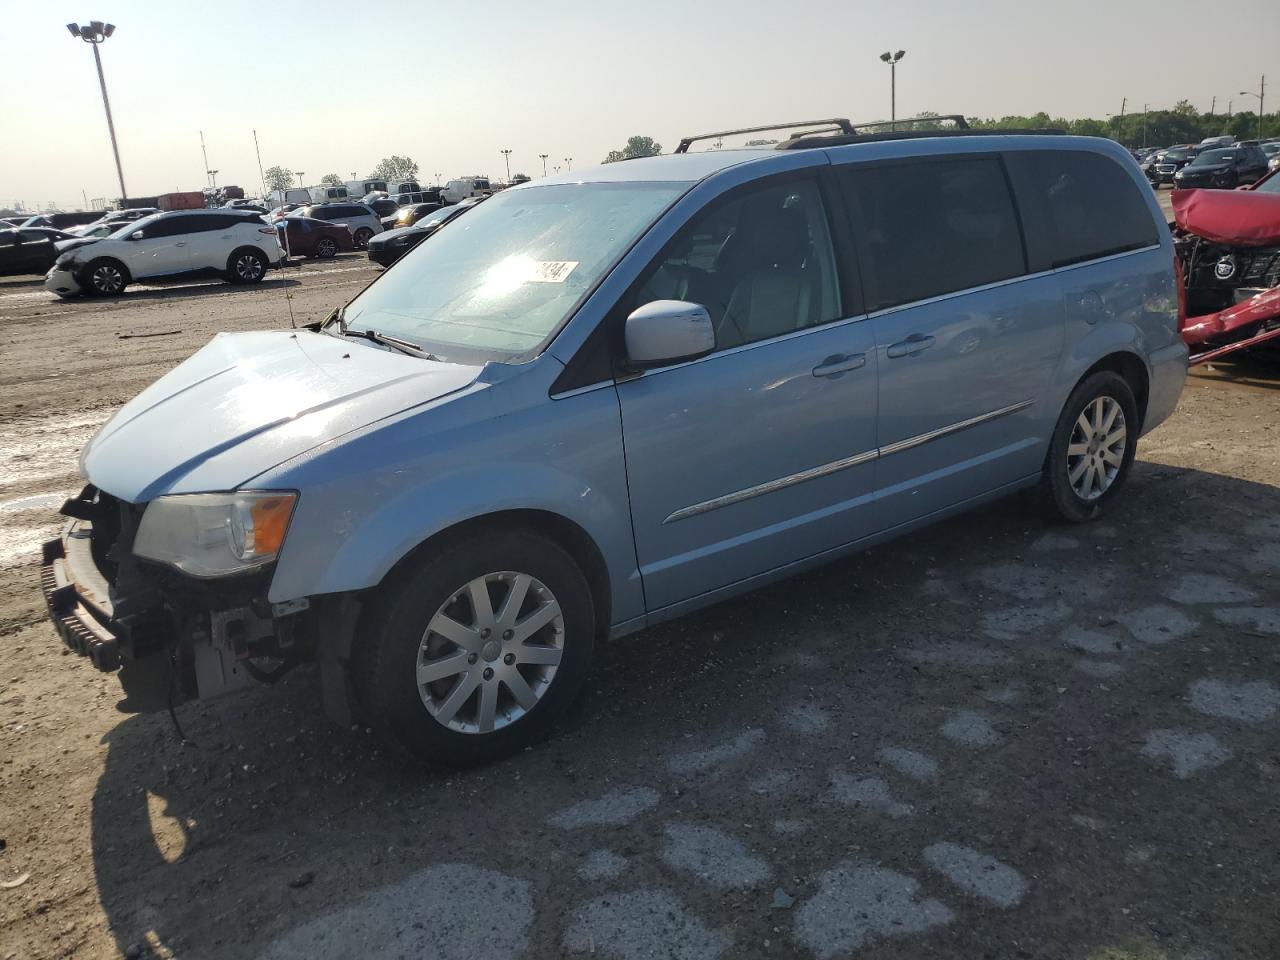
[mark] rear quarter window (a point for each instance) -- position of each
(928, 228)
(1078, 206)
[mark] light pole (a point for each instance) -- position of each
(300, 175)
(94, 33)
(1144, 126)
(892, 60)
(1262, 100)
(506, 158)
(213, 177)
(568, 164)
(544, 162)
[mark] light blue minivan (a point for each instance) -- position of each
(604, 399)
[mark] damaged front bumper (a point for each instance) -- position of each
(169, 637)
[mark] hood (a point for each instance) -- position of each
(250, 401)
(62, 246)
(1235, 217)
(391, 236)
(1206, 169)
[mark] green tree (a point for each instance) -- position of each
(278, 178)
(636, 147)
(331, 180)
(395, 167)
(1186, 108)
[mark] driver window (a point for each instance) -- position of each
(760, 262)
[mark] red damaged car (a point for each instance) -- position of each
(1228, 247)
(308, 237)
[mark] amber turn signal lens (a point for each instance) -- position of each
(270, 521)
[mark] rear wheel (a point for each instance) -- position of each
(247, 266)
(326, 247)
(105, 277)
(1092, 448)
(476, 652)
(361, 237)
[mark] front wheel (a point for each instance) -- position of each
(1092, 448)
(474, 654)
(326, 247)
(361, 237)
(105, 277)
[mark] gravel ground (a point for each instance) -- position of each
(994, 738)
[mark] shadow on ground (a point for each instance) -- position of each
(992, 738)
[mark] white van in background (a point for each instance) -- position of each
(362, 188)
(278, 198)
(465, 187)
(327, 194)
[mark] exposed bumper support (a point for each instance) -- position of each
(78, 602)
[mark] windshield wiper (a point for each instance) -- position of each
(384, 339)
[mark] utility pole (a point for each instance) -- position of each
(892, 60)
(94, 33)
(1262, 100)
(1213, 103)
(1144, 125)
(260, 175)
(205, 154)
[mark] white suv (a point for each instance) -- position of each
(360, 219)
(238, 246)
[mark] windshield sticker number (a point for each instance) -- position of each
(552, 271)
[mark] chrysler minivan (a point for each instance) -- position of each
(608, 398)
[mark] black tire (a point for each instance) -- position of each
(361, 238)
(326, 248)
(104, 277)
(1062, 499)
(246, 265)
(388, 646)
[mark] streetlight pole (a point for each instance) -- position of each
(300, 175)
(1144, 126)
(1261, 95)
(94, 33)
(568, 162)
(506, 158)
(544, 162)
(892, 60)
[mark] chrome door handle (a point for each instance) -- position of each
(840, 363)
(913, 344)
(179, 244)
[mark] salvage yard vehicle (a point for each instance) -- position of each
(308, 237)
(390, 246)
(235, 245)
(1225, 168)
(29, 250)
(356, 217)
(615, 396)
(1228, 246)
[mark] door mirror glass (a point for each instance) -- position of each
(668, 331)
(137, 235)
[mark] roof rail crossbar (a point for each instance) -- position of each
(838, 123)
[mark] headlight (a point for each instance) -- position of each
(215, 534)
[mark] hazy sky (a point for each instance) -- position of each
(333, 87)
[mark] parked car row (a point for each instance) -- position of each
(1215, 162)
(390, 246)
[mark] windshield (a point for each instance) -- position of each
(1213, 156)
(1269, 185)
(503, 278)
(1270, 148)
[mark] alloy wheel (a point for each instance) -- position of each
(490, 652)
(1095, 452)
(326, 247)
(107, 279)
(248, 267)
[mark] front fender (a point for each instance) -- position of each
(367, 503)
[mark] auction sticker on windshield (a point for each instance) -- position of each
(552, 271)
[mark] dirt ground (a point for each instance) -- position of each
(991, 739)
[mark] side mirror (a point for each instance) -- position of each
(137, 235)
(668, 331)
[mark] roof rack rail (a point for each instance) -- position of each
(833, 123)
(805, 141)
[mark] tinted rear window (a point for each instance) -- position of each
(1078, 206)
(930, 228)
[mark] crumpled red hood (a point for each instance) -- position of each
(1238, 217)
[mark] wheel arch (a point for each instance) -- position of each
(1130, 366)
(562, 531)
